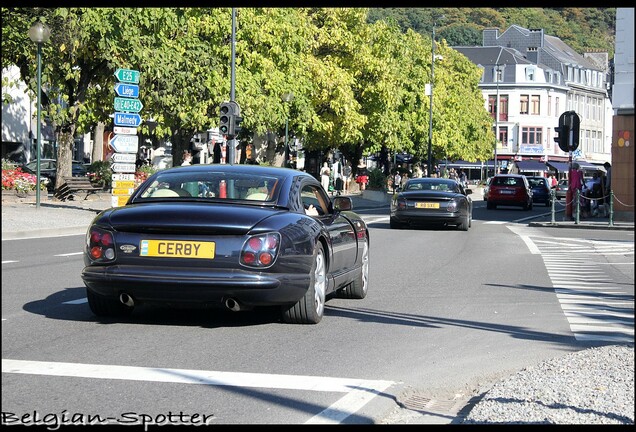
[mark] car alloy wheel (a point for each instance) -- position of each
(359, 287)
(310, 308)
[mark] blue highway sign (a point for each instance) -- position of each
(127, 90)
(127, 119)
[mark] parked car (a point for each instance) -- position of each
(540, 190)
(561, 189)
(509, 190)
(233, 236)
(48, 169)
(427, 200)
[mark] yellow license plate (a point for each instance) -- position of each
(426, 205)
(177, 249)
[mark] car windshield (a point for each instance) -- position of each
(212, 185)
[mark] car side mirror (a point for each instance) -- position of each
(342, 203)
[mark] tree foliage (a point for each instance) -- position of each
(358, 86)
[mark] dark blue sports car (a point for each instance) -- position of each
(432, 201)
(234, 236)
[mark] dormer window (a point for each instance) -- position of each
(530, 73)
(497, 74)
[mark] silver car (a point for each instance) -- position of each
(561, 189)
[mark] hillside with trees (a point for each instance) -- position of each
(583, 29)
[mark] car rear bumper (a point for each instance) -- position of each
(423, 217)
(508, 202)
(195, 287)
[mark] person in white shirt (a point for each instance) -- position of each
(325, 172)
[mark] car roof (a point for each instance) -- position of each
(247, 169)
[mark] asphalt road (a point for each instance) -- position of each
(448, 313)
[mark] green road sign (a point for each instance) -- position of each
(129, 105)
(127, 76)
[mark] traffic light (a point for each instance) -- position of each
(237, 124)
(230, 119)
(562, 139)
(225, 120)
(568, 130)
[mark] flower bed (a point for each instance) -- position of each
(14, 179)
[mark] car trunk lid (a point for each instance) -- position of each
(188, 217)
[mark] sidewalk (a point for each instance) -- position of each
(21, 218)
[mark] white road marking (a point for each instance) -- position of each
(596, 309)
(70, 254)
(78, 301)
(359, 391)
(9, 262)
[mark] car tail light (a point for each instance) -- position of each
(100, 245)
(260, 251)
(401, 204)
(452, 206)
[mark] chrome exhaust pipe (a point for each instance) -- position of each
(232, 305)
(127, 300)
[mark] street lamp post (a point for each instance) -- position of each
(430, 108)
(497, 71)
(287, 98)
(39, 33)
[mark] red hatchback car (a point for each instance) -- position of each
(509, 190)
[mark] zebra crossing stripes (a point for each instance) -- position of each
(597, 309)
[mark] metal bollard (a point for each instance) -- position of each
(553, 197)
(611, 215)
(578, 206)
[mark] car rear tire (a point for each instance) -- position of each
(393, 224)
(464, 224)
(106, 306)
(310, 308)
(359, 287)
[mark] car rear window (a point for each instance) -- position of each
(507, 181)
(212, 185)
(536, 182)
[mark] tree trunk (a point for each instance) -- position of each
(98, 143)
(66, 142)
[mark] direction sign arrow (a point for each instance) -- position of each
(124, 157)
(127, 76)
(127, 119)
(127, 90)
(124, 143)
(123, 167)
(125, 104)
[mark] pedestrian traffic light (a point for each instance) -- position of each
(225, 119)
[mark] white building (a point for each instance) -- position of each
(536, 78)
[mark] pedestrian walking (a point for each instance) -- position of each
(346, 176)
(325, 172)
(187, 158)
(397, 181)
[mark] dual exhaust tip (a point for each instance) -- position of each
(230, 303)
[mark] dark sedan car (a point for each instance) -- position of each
(509, 190)
(234, 236)
(540, 190)
(48, 170)
(425, 201)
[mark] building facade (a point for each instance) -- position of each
(623, 124)
(535, 78)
